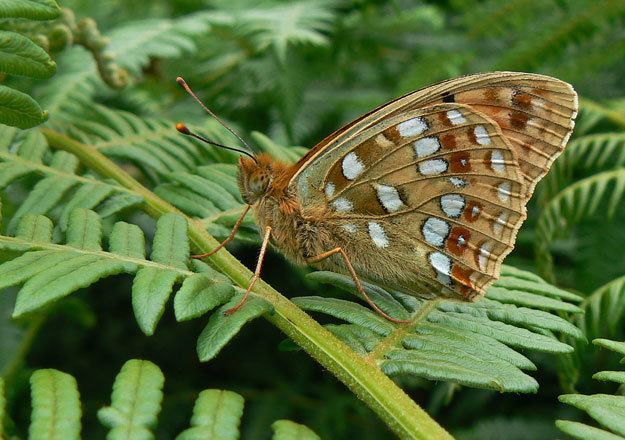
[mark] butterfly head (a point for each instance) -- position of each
(255, 177)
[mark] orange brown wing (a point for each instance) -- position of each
(429, 196)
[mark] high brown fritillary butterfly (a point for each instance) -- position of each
(424, 194)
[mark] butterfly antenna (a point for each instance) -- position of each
(185, 130)
(185, 86)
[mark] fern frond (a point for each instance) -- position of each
(467, 343)
(149, 143)
(221, 328)
(278, 26)
(595, 111)
(31, 9)
(287, 430)
(63, 269)
(56, 406)
(590, 153)
(152, 286)
(216, 416)
(133, 44)
(135, 407)
(60, 188)
(604, 310)
(607, 410)
(135, 402)
(560, 32)
(21, 56)
(573, 204)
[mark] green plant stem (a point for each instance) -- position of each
(403, 416)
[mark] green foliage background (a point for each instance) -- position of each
(295, 71)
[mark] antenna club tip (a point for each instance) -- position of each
(180, 80)
(182, 128)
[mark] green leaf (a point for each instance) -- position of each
(287, 430)
(68, 273)
(582, 431)
(150, 291)
(618, 347)
(171, 246)
(37, 228)
(84, 230)
(199, 294)
(127, 240)
(222, 328)
(19, 110)
(20, 56)
(56, 406)
(216, 416)
(135, 402)
(465, 343)
(604, 408)
(32, 9)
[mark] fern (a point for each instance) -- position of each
(21, 56)
(607, 410)
(464, 343)
(281, 25)
(80, 78)
(587, 154)
(604, 310)
(56, 406)
(135, 406)
(576, 202)
(25, 155)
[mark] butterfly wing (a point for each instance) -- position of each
(430, 196)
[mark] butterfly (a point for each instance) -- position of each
(424, 194)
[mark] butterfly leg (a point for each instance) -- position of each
(227, 240)
(357, 282)
(259, 265)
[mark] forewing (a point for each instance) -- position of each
(536, 114)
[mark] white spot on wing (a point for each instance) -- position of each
(352, 166)
(461, 240)
(484, 254)
(500, 222)
(442, 265)
(329, 189)
(458, 182)
(452, 205)
(481, 135)
(389, 197)
(496, 160)
(435, 231)
(455, 117)
(475, 211)
(342, 205)
(504, 191)
(377, 234)
(412, 127)
(432, 167)
(426, 146)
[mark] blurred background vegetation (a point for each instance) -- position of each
(296, 71)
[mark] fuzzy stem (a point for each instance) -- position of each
(402, 415)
